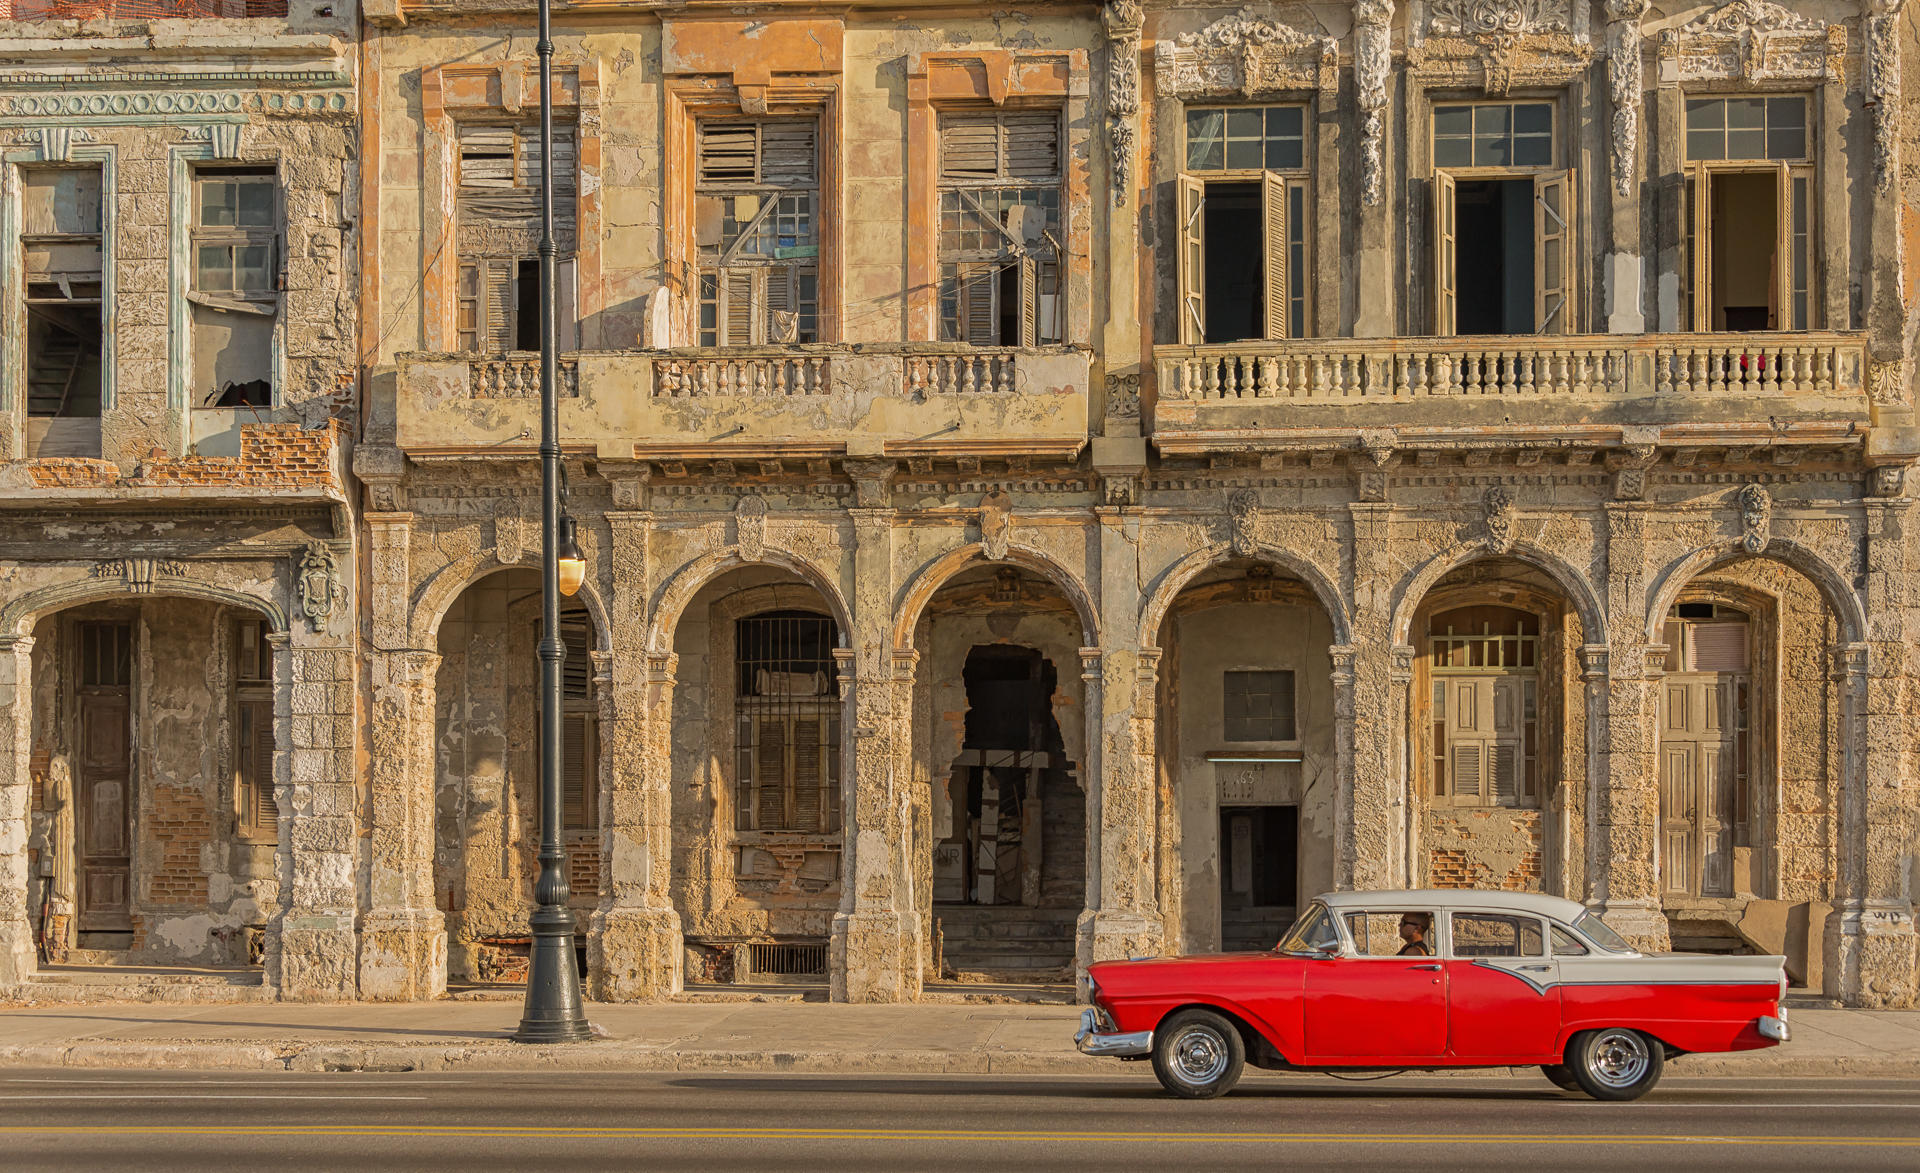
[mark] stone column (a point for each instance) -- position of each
(1371, 816)
(312, 944)
(1625, 304)
(1594, 661)
(1870, 940)
(1373, 260)
(634, 949)
(875, 950)
(1623, 734)
(403, 942)
(1403, 870)
(16, 726)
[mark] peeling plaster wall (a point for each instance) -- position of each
(1228, 636)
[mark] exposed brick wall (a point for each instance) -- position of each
(180, 823)
(272, 456)
(1484, 847)
(584, 869)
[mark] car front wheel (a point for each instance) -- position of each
(1615, 1063)
(1198, 1055)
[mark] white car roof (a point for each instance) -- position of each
(1457, 899)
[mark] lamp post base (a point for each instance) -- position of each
(554, 1013)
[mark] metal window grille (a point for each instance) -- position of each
(788, 959)
(787, 724)
(106, 655)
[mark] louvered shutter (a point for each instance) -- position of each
(1445, 255)
(787, 153)
(1273, 270)
(259, 809)
(576, 765)
(770, 775)
(808, 776)
(486, 156)
(1467, 770)
(498, 301)
(729, 152)
(979, 316)
(576, 671)
(1032, 145)
(1717, 647)
(1505, 774)
(970, 146)
(1029, 302)
(737, 307)
(783, 321)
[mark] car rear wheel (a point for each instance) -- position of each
(1615, 1063)
(1558, 1075)
(1198, 1055)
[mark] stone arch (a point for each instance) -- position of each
(18, 617)
(925, 584)
(1828, 580)
(437, 595)
(690, 578)
(1579, 592)
(1174, 579)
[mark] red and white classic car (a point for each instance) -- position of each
(1431, 979)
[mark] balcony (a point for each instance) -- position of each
(1317, 392)
(767, 402)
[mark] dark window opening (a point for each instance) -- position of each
(61, 241)
(1496, 263)
(1259, 855)
(1236, 284)
(1258, 706)
(786, 724)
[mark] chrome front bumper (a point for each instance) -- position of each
(1774, 1028)
(1091, 1041)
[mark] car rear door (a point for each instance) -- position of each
(1370, 1004)
(1503, 990)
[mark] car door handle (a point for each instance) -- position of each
(1435, 967)
(1535, 968)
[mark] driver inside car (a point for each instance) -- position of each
(1414, 929)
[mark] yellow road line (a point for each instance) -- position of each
(512, 1132)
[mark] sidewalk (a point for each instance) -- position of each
(737, 1036)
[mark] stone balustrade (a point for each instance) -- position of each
(518, 377)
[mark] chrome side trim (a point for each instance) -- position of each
(1773, 1028)
(1090, 1041)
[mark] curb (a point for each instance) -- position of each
(497, 1057)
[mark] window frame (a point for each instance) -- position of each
(1350, 945)
(1293, 696)
(1539, 923)
(1287, 196)
(974, 271)
(1557, 173)
(256, 812)
(711, 274)
(1696, 213)
(1530, 785)
(486, 265)
(234, 237)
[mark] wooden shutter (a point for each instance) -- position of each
(1032, 145)
(1192, 263)
(1467, 770)
(259, 812)
(788, 155)
(579, 803)
(576, 671)
(809, 776)
(969, 146)
(1717, 647)
(770, 775)
(486, 156)
(729, 152)
(1700, 188)
(979, 294)
(736, 307)
(1029, 302)
(1273, 268)
(1780, 296)
(1445, 257)
(1798, 216)
(1553, 252)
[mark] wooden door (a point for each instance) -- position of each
(103, 784)
(1698, 769)
(1485, 736)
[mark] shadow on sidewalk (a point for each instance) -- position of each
(285, 1031)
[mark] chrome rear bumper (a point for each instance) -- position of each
(1773, 1028)
(1091, 1041)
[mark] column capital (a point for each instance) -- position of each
(1343, 659)
(1596, 662)
(1090, 663)
(1849, 661)
(661, 667)
(1402, 655)
(18, 644)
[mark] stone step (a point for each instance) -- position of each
(134, 991)
(999, 959)
(154, 976)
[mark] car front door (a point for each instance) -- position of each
(1372, 1003)
(1503, 992)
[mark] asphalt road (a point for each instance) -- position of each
(366, 1121)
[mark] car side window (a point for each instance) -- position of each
(1489, 934)
(1391, 934)
(1565, 944)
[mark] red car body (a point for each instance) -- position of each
(1460, 1006)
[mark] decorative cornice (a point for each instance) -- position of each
(1247, 54)
(1123, 20)
(1749, 41)
(156, 105)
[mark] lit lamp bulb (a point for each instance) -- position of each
(573, 564)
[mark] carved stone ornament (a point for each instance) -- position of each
(139, 573)
(509, 544)
(1624, 86)
(1479, 18)
(996, 524)
(318, 584)
(1887, 383)
(1498, 504)
(1497, 44)
(1123, 20)
(1889, 480)
(750, 527)
(1882, 86)
(1752, 40)
(1121, 488)
(1630, 484)
(1243, 520)
(1372, 61)
(1246, 54)
(1756, 518)
(1123, 397)
(872, 478)
(55, 142)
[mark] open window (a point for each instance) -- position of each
(1245, 182)
(61, 246)
(498, 211)
(1749, 214)
(1498, 199)
(1485, 675)
(1001, 240)
(259, 812)
(235, 299)
(756, 227)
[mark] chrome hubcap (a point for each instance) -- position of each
(1619, 1058)
(1199, 1055)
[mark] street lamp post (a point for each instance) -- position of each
(553, 1013)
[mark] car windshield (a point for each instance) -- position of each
(1602, 936)
(1312, 933)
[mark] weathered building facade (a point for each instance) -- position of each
(1076, 482)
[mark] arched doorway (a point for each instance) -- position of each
(1498, 732)
(1247, 774)
(487, 774)
(153, 823)
(758, 768)
(1000, 823)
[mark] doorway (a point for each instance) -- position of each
(1496, 272)
(1259, 875)
(1704, 742)
(1235, 269)
(104, 786)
